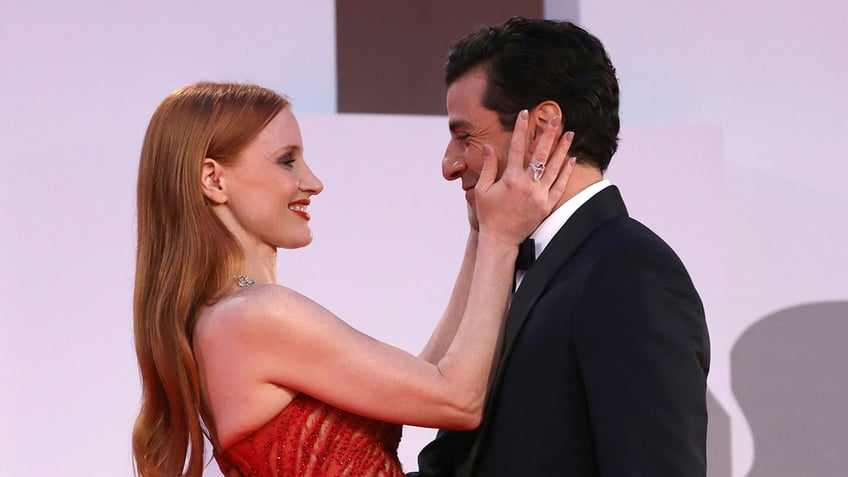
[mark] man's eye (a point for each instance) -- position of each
(462, 137)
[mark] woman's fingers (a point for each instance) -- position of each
(542, 150)
(489, 169)
(558, 168)
(558, 187)
(517, 145)
(512, 206)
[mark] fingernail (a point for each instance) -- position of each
(523, 114)
(555, 121)
(569, 135)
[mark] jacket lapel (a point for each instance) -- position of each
(605, 205)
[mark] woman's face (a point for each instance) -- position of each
(269, 187)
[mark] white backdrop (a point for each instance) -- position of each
(731, 149)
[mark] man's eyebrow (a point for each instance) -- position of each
(455, 124)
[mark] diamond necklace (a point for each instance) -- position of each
(244, 281)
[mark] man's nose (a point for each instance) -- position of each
(452, 168)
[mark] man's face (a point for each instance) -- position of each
(471, 126)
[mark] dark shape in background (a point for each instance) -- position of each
(390, 53)
(790, 376)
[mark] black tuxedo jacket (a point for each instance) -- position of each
(604, 366)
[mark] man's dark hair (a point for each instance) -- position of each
(528, 61)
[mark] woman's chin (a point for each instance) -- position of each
(295, 244)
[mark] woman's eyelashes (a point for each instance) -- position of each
(286, 160)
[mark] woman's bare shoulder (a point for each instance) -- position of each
(256, 309)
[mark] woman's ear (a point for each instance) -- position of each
(212, 182)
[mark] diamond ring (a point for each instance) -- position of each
(538, 169)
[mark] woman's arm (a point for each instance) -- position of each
(444, 332)
(293, 342)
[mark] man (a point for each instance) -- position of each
(605, 351)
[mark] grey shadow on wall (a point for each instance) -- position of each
(790, 377)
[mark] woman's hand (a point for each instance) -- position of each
(510, 208)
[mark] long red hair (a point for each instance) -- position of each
(186, 257)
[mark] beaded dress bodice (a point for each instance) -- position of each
(311, 438)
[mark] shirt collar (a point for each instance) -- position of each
(551, 225)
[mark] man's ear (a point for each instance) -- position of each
(212, 182)
(542, 114)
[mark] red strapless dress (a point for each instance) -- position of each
(310, 438)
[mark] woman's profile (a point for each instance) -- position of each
(278, 384)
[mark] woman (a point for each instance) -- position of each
(279, 384)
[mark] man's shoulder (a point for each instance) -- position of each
(626, 236)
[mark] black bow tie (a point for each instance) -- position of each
(526, 255)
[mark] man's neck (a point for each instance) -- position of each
(582, 177)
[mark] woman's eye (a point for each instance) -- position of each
(286, 160)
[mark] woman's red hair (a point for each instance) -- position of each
(186, 257)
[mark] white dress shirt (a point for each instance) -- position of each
(545, 232)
